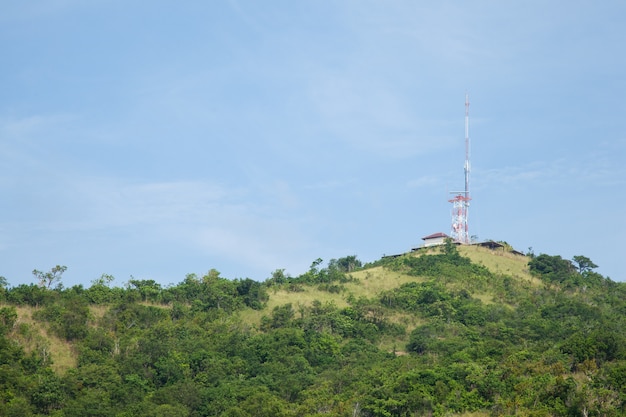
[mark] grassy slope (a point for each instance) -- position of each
(500, 262)
(373, 281)
(32, 335)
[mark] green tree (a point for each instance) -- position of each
(583, 263)
(217, 293)
(149, 289)
(449, 248)
(553, 269)
(99, 292)
(169, 410)
(278, 277)
(348, 263)
(281, 317)
(8, 317)
(68, 318)
(48, 395)
(3, 286)
(104, 279)
(46, 279)
(16, 407)
(263, 404)
(252, 292)
(92, 402)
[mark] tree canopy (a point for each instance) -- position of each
(453, 337)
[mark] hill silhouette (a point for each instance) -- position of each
(448, 330)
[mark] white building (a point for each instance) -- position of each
(438, 238)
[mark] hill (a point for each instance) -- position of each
(446, 331)
(371, 281)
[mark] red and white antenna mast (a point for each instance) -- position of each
(460, 202)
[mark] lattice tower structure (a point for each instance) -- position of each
(461, 200)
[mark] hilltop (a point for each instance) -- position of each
(446, 330)
(373, 280)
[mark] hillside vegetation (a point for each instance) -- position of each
(449, 331)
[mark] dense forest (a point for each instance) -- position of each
(431, 333)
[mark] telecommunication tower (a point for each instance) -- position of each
(461, 199)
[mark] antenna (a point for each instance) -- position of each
(467, 147)
(460, 202)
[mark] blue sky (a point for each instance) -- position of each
(157, 139)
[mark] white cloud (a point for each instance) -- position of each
(37, 125)
(201, 216)
(115, 203)
(370, 116)
(261, 243)
(588, 171)
(425, 181)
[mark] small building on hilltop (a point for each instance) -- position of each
(499, 246)
(435, 239)
(490, 244)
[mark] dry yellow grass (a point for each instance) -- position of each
(497, 261)
(252, 317)
(373, 281)
(303, 298)
(484, 298)
(501, 262)
(376, 280)
(97, 312)
(370, 283)
(35, 338)
(63, 356)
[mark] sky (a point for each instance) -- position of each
(151, 140)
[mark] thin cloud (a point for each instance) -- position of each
(370, 117)
(425, 181)
(120, 203)
(593, 170)
(331, 184)
(265, 245)
(34, 126)
(206, 217)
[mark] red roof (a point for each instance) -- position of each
(435, 236)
